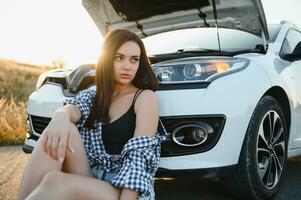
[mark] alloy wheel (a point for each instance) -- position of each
(270, 151)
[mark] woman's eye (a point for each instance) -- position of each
(134, 60)
(118, 58)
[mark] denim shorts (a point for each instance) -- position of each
(102, 174)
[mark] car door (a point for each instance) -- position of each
(292, 43)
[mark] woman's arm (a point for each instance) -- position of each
(55, 135)
(147, 117)
(74, 111)
(68, 112)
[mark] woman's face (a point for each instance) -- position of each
(126, 62)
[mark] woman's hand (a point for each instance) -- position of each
(56, 134)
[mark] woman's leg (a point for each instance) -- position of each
(40, 163)
(77, 162)
(58, 185)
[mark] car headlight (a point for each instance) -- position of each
(197, 69)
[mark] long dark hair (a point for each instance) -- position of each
(144, 78)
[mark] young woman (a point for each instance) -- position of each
(104, 143)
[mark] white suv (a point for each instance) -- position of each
(229, 94)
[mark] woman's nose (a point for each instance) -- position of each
(127, 64)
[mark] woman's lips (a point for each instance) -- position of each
(125, 76)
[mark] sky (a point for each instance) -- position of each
(40, 31)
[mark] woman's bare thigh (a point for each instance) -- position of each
(81, 187)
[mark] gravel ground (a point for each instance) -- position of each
(13, 161)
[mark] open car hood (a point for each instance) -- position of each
(147, 18)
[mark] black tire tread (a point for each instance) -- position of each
(240, 182)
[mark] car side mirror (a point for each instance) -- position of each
(292, 56)
(295, 55)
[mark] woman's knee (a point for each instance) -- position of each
(74, 135)
(74, 138)
(52, 179)
(74, 128)
(75, 141)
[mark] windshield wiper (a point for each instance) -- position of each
(220, 52)
(199, 50)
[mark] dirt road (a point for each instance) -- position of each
(12, 161)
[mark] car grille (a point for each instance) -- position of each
(39, 123)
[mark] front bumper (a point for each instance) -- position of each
(205, 173)
(29, 145)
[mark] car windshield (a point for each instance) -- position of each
(204, 39)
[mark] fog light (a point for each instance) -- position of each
(191, 134)
(198, 134)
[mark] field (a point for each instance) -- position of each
(17, 82)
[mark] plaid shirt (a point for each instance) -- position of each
(139, 159)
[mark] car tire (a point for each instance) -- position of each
(263, 158)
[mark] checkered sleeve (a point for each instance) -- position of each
(132, 174)
(139, 166)
(83, 101)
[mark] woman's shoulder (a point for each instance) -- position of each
(147, 99)
(87, 93)
(147, 94)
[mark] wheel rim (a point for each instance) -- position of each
(270, 151)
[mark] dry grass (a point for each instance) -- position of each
(17, 82)
(12, 122)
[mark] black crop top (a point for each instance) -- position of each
(116, 134)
